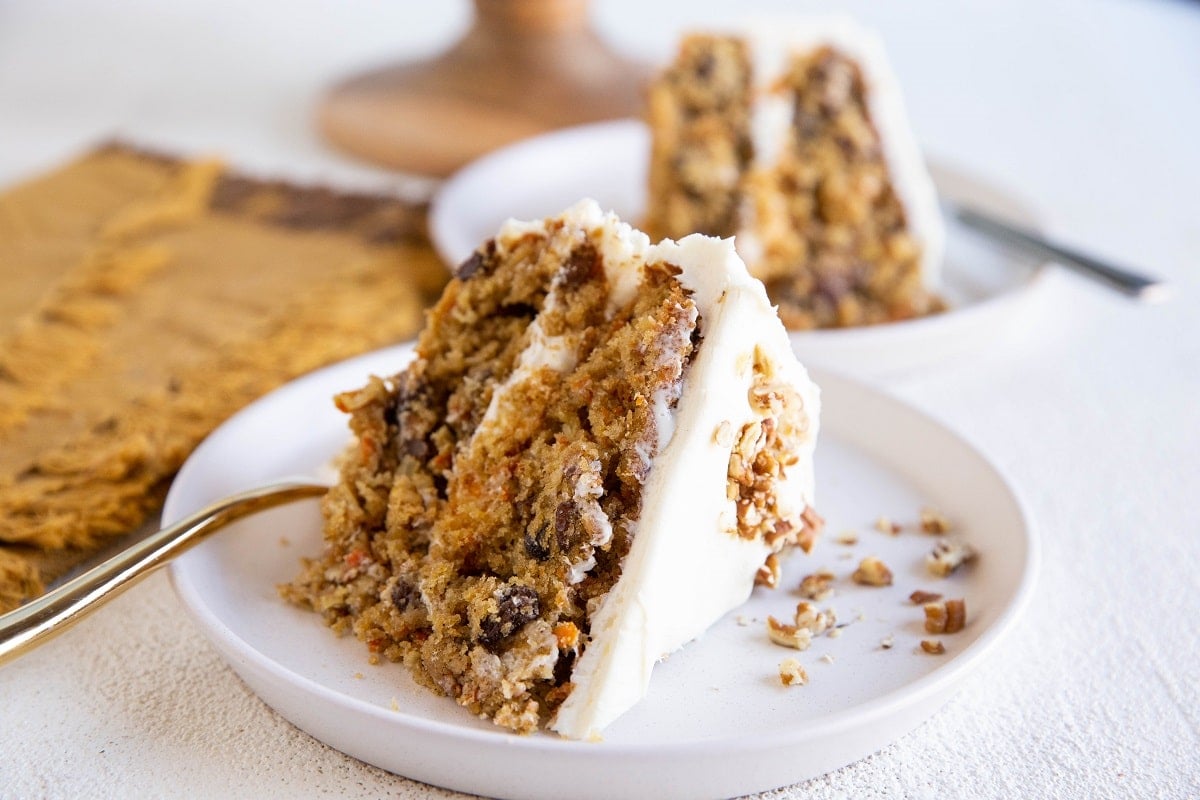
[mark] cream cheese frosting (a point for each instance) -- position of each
(687, 565)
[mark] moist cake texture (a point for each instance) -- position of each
(598, 447)
(799, 146)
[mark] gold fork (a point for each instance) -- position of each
(25, 628)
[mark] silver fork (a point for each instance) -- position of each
(1139, 286)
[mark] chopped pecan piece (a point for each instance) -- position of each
(934, 521)
(872, 572)
(788, 635)
(947, 616)
(791, 673)
(814, 620)
(920, 597)
(885, 525)
(813, 524)
(768, 573)
(818, 585)
(948, 556)
(933, 647)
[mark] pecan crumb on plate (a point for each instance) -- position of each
(872, 572)
(791, 673)
(947, 616)
(885, 525)
(788, 635)
(934, 521)
(947, 556)
(818, 585)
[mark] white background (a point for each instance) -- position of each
(1089, 109)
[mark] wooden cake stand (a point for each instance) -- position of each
(525, 66)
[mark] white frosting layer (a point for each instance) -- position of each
(771, 43)
(549, 352)
(686, 567)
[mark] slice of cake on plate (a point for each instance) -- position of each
(795, 140)
(600, 447)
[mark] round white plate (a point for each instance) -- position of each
(717, 722)
(987, 288)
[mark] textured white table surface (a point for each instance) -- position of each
(1092, 110)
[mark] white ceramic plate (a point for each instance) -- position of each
(717, 722)
(986, 288)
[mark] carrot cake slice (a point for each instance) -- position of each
(599, 448)
(797, 143)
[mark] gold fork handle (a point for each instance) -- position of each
(25, 628)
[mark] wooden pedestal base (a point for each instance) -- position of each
(524, 67)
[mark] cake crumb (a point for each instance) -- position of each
(934, 521)
(395, 704)
(888, 642)
(872, 572)
(948, 556)
(791, 673)
(788, 635)
(284, 541)
(933, 647)
(848, 538)
(743, 620)
(818, 585)
(920, 597)
(885, 525)
(948, 616)
(358, 676)
(834, 633)
(827, 658)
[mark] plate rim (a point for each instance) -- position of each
(942, 677)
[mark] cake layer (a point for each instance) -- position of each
(834, 210)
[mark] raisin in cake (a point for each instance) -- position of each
(797, 143)
(599, 447)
